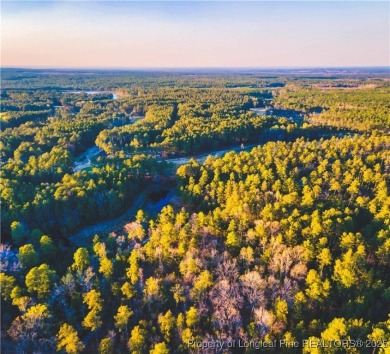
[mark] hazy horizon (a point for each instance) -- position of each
(194, 35)
(147, 68)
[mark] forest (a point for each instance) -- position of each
(195, 212)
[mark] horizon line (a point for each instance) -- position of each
(194, 67)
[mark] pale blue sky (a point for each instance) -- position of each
(194, 34)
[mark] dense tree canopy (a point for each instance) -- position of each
(288, 239)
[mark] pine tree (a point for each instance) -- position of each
(68, 340)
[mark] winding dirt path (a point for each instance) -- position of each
(84, 236)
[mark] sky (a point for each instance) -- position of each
(165, 34)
